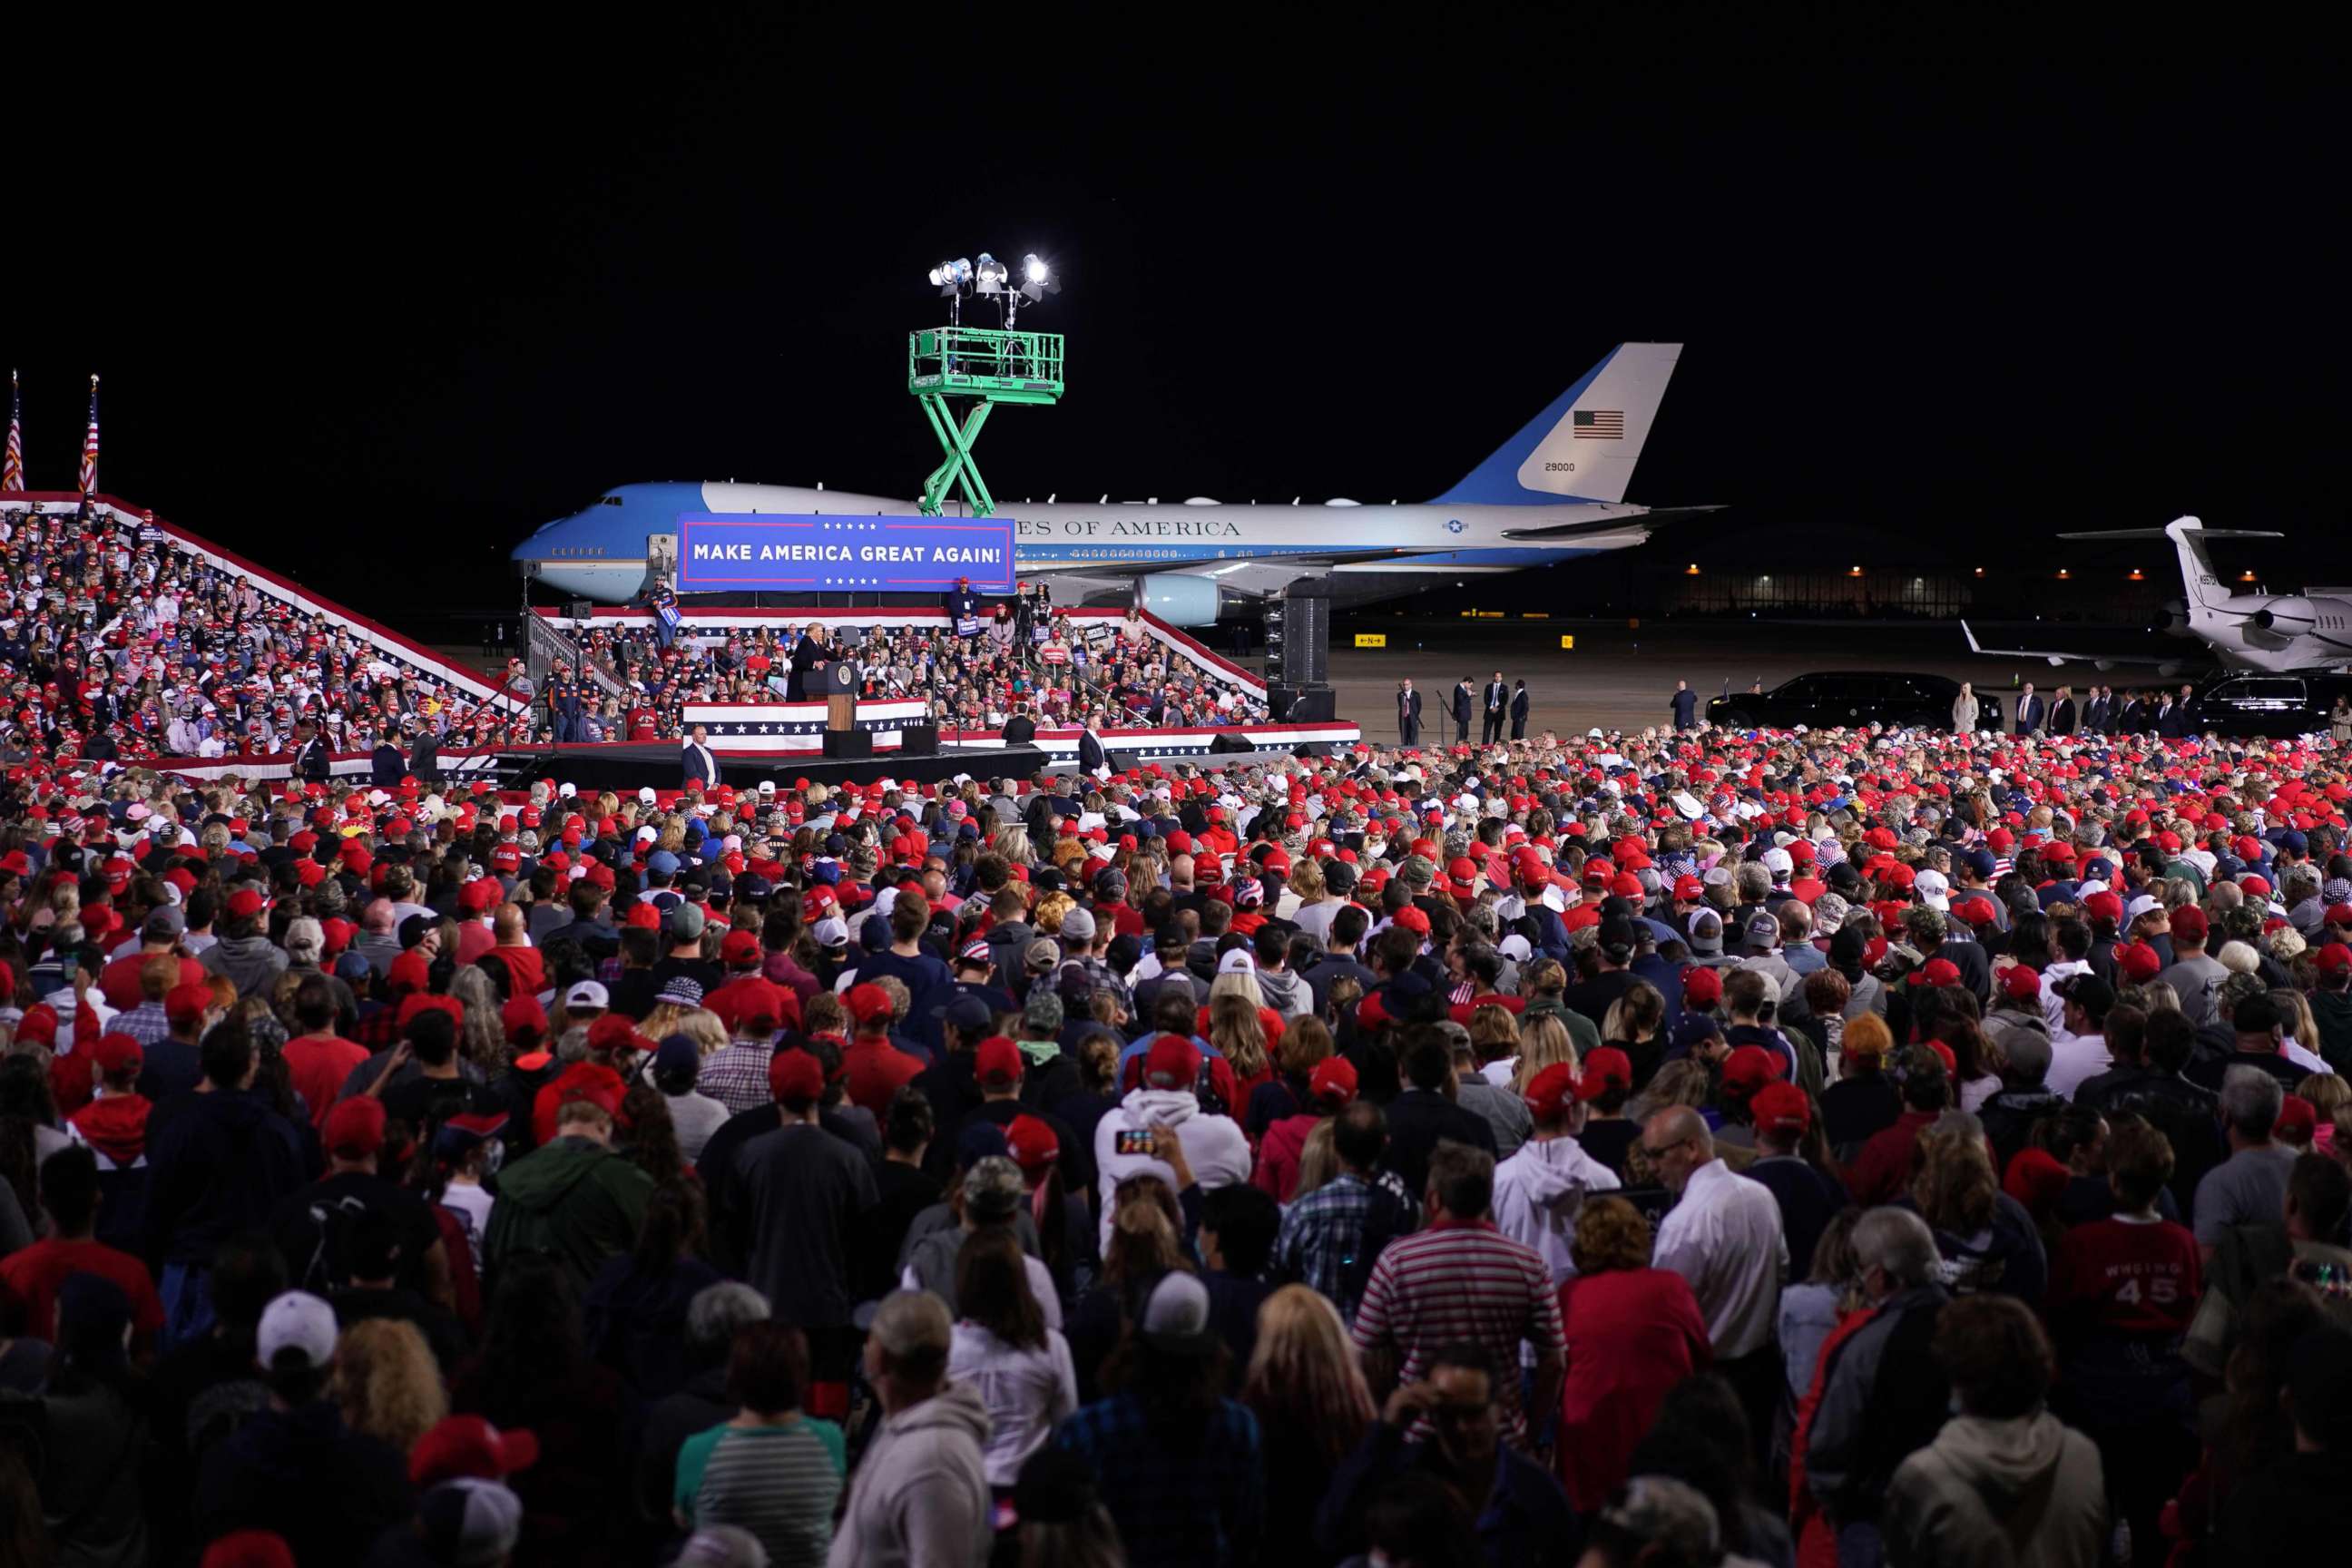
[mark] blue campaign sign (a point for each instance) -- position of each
(788, 552)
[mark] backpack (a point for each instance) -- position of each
(325, 1268)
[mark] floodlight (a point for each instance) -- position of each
(964, 271)
(992, 275)
(1033, 268)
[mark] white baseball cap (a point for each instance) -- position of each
(297, 1321)
(587, 993)
(1237, 961)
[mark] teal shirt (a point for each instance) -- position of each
(780, 1483)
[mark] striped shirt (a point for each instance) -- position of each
(1462, 1282)
(778, 1482)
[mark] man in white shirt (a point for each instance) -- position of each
(2079, 1049)
(1724, 1236)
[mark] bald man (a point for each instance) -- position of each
(1724, 1236)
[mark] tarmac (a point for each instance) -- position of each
(1622, 676)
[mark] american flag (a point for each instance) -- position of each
(1599, 424)
(89, 445)
(11, 473)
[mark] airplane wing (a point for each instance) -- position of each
(1603, 525)
(2061, 657)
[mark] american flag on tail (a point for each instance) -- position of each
(89, 445)
(11, 473)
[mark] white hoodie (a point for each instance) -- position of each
(1214, 1146)
(1538, 1192)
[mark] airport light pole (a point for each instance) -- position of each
(983, 366)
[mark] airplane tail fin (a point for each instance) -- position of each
(2197, 578)
(1584, 445)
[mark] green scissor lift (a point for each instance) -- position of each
(989, 368)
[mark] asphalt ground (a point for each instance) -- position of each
(1622, 676)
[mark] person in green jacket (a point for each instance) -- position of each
(575, 1200)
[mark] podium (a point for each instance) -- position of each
(843, 738)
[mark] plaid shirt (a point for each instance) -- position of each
(378, 1030)
(146, 1024)
(737, 1076)
(1183, 1510)
(1321, 1232)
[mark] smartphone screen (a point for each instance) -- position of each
(1130, 1142)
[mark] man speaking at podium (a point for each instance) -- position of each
(812, 653)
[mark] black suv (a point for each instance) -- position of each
(2271, 705)
(1849, 698)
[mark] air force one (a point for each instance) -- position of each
(1555, 491)
(2275, 633)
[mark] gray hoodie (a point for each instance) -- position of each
(921, 1495)
(2027, 1491)
(1285, 992)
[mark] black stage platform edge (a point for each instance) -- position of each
(625, 769)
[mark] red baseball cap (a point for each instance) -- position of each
(354, 1127)
(1173, 1062)
(1780, 1107)
(244, 904)
(996, 1062)
(1605, 1068)
(182, 1004)
(467, 1446)
(2335, 959)
(868, 1004)
(2021, 982)
(1030, 1143)
(1702, 987)
(795, 1075)
(2189, 923)
(1750, 1067)
(1550, 1093)
(117, 1053)
(1333, 1081)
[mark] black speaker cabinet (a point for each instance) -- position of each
(1125, 762)
(849, 743)
(1228, 745)
(919, 741)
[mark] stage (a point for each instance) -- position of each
(624, 769)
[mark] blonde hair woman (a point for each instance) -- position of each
(482, 1035)
(1012, 842)
(1234, 1029)
(1543, 1041)
(705, 1028)
(1307, 1387)
(386, 1382)
(1236, 984)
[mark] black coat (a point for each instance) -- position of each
(1462, 705)
(1408, 705)
(1519, 706)
(2062, 716)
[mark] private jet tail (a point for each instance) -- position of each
(1583, 447)
(2199, 579)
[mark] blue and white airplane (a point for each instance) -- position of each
(1553, 493)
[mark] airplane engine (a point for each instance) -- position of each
(2283, 618)
(1182, 600)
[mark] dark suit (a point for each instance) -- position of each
(1091, 756)
(1519, 713)
(2030, 713)
(312, 765)
(2095, 716)
(2169, 719)
(701, 765)
(2062, 716)
(799, 687)
(1686, 709)
(1497, 706)
(1408, 717)
(386, 765)
(1462, 714)
(1020, 730)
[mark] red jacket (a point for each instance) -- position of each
(115, 1126)
(1277, 1156)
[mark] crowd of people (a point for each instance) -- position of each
(1661, 1149)
(1009, 661)
(118, 644)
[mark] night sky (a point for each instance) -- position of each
(370, 309)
